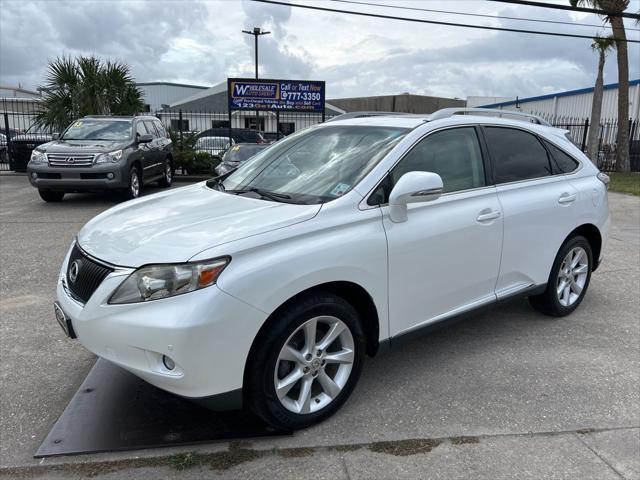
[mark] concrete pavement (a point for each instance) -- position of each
(533, 397)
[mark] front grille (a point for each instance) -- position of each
(89, 275)
(70, 160)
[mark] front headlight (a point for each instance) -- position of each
(108, 157)
(38, 157)
(161, 281)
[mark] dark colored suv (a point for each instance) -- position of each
(239, 135)
(103, 153)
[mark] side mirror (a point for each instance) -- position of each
(413, 187)
(146, 138)
(55, 136)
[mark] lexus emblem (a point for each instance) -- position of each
(74, 270)
(69, 160)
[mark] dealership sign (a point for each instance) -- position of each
(278, 95)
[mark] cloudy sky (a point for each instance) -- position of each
(200, 42)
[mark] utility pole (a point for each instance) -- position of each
(257, 32)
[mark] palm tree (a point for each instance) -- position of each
(601, 45)
(86, 86)
(617, 25)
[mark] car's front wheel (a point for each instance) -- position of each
(167, 178)
(50, 196)
(569, 279)
(135, 184)
(307, 364)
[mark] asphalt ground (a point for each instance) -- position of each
(507, 393)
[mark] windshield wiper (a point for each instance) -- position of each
(263, 193)
(215, 182)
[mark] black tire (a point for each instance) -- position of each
(548, 302)
(167, 178)
(50, 196)
(260, 390)
(131, 192)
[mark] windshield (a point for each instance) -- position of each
(316, 165)
(94, 129)
(212, 143)
(242, 153)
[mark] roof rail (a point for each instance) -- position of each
(346, 116)
(448, 112)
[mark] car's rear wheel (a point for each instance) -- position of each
(569, 279)
(135, 184)
(167, 178)
(307, 364)
(50, 196)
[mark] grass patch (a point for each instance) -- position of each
(464, 440)
(625, 182)
(182, 461)
(403, 448)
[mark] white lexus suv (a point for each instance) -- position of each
(266, 287)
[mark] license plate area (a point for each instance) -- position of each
(64, 321)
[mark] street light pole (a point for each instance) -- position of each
(257, 31)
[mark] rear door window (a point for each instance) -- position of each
(517, 155)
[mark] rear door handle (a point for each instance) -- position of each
(567, 198)
(485, 217)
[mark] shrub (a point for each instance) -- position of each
(193, 163)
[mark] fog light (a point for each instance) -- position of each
(110, 176)
(34, 175)
(168, 363)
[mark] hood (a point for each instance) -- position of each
(173, 226)
(83, 146)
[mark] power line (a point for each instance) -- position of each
(433, 22)
(501, 17)
(568, 7)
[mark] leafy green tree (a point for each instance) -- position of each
(86, 86)
(617, 26)
(601, 45)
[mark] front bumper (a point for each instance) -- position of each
(207, 333)
(77, 179)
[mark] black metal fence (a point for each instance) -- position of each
(19, 134)
(608, 130)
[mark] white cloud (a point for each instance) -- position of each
(201, 42)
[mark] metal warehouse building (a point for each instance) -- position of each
(574, 105)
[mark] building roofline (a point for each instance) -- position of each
(171, 84)
(568, 93)
(19, 89)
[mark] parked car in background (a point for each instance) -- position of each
(214, 146)
(95, 154)
(238, 154)
(239, 135)
(3, 148)
(271, 137)
(269, 286)
(23, 144)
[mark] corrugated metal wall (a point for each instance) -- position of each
(579, 106)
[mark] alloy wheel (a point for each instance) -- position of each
(314, 365)
(135, 184)
(572, 276)
(168, 174)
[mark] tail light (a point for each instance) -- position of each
(604, 178)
